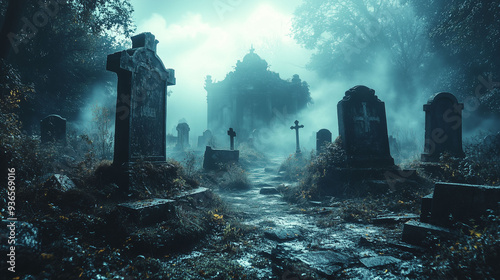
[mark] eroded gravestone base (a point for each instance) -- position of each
(217, 159)
(452, 203)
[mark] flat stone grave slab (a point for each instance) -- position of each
(217, 159)
(149, 211)
(196, 196)
(379, 261)
(326, 262)
(386, 219)
(418, 233)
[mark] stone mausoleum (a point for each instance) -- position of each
(252, 97)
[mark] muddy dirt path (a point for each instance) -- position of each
(295, 245)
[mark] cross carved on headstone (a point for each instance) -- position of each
(231, 134)
(296, 127)
(366, 118)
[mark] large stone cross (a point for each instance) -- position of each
(231, 134)
(296, 127)
(366, 118)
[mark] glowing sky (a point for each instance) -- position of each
(199, 38)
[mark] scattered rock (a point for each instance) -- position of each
(262, 185)
(60, 183)
(268, 191)
(365, 242)
(278, 178)
(417, 233)
(378, 261)
(407, 247)
(326, 262)
(282, 234)
(197, 197)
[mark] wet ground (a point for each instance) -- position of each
(286, 241)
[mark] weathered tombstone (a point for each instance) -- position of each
(231, 134)
(182, 136)
(217, 159)
(296, 127)
(53, 129)
(443, 127)
(205, 139)
(323, 137)
(140, 127)
(363, 128)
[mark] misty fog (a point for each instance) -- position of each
(208, 38)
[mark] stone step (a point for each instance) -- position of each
(149, 211)
(418, 233)
(392, 219)
(462, 203)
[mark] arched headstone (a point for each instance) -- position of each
(363, 128)
(182, 136)
(443, 127)
(323, 137)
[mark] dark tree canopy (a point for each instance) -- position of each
(352, 38)
(466, 34)
(60, 48)
(430, 45)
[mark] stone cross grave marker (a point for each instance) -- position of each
(53, 129)
(231, 134)
(296, 127)
(323, 137)
(363, 128)
(443, 127)
(182, 136)
(140, 126)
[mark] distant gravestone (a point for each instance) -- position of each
(53, 129)
(231, 134)
(205, 139)
(363, 128)
(182, 136)
(296, 127)
(443, 127)
(140, 127)
(323, 137)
